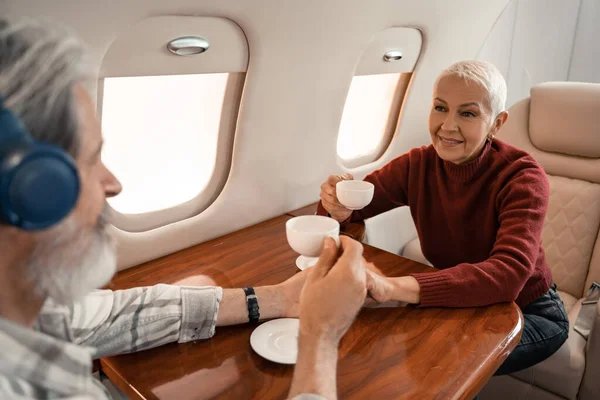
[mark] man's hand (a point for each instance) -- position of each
(291, 290)
(329, 198)
(334, 291)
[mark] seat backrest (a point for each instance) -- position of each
(559, 125)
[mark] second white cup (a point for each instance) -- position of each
(355, 195)
(306, 234)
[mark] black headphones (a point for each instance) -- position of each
(39, 183)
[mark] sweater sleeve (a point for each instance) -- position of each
(522, 205)
(391, 189)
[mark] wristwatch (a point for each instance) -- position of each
(252, 302)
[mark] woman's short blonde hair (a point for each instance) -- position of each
(485, 74)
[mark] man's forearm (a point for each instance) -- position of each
(233, 309)
(315, 370)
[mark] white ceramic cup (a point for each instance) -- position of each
(354, 195)
(306, 234)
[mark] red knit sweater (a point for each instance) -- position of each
(479, 223)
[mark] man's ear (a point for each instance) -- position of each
(499, 122)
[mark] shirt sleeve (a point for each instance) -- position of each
(522, 205)
(123, 321)
(308, 396)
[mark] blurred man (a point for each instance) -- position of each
(55, 248)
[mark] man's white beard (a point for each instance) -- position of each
(68, 262)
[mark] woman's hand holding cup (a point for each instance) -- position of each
(329, 198)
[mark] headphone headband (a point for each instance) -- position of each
(11, 127)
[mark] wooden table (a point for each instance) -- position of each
(388, 353)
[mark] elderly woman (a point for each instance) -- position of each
(479, 206)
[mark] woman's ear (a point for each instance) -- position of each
(499, 122)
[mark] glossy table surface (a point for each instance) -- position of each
(388, 353)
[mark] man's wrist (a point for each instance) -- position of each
(317, 337)
(271, 301)
(322, 343)
(315, 370)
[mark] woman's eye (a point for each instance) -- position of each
(439, 108)
(468, 114)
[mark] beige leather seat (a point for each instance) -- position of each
(559, 124)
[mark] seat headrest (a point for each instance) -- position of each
(565, 118)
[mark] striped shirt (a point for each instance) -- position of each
(54, 360)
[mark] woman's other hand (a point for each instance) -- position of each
(329, 198)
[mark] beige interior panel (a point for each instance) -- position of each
(142, 49)
(570, 231)
(594, 271)
(406, 40)
(392, 231)
(302, 57)
(515, 132)
(506, 387)
(565, 118)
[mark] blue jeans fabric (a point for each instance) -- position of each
(546, 328)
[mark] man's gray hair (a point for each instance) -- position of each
(485, 74)
(39, 64)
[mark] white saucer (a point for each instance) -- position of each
(306, 262)
(277, 340)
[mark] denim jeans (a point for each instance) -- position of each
(546, 328)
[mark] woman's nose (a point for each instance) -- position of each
(449, 123)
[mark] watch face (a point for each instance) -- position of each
(252, 302)
(253, 309)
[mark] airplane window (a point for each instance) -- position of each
(370, 116)
(161, 137)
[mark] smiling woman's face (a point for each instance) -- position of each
(461, 119)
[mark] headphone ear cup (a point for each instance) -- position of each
(39, 190)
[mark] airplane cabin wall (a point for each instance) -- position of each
(537, 41)
(302, 58)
